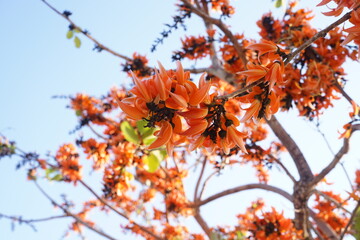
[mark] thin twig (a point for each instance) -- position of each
(96, 133)
(342, 91)
(85, 33)
(343, 150)
(205, 184)
(287, 172)
(67, 212)
(199, 179)
(331, 199)
(241, 91)
(144, 229)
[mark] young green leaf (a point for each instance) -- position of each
(57, 177)
(144, 131)
(77, 42)
(69, 34)
(152, 162)
(149, 140)
(129, 132)
(279, 3)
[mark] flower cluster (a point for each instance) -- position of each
(169, 99)
(68, 160)
(271, 225)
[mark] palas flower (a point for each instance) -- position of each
(164, 100)
(254, 72)
(263, 47)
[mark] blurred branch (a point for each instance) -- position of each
(341, 89)
(287, 172)
(324, 227)
(294, 150)
(330, 199)
(68, 213)
(206, 182)
(30, 222)
(244, 188)
(199, 179)
(144, 229)
(343, 150)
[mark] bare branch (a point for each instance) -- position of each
(202, 223)
(244, 188)
(206, 182)
(67, 212)
(343, 150)
(199, 179)
(144, 229)
(341, 89)
(287, 172)
(294, 151)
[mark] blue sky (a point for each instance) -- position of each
(38, 62)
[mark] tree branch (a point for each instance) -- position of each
(343, 150)
(144, 229)
(294, 151)
(199, 179)
(239, 49)
(85, 33)
(244, 188)
(318, 35)
(67, 212)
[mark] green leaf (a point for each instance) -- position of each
(240, 235)
(77, 42)
(149, 140)
(144, 131)
(153, 161)
(53, 174)
(141, 126)
(356, 225)
(78, 113)
(57, 177)
(279, 3)
(129, 132)
(48, 172)
(69, 34)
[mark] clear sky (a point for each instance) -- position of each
(38, 62)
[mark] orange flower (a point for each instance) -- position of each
(164, 135)
(68, 160)
(167, 98)
(254, 72)
(263, 47)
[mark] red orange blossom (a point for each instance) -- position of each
(184, 112)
